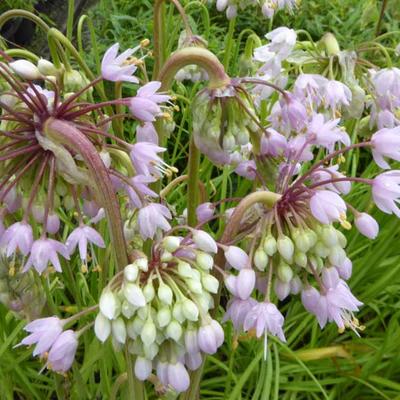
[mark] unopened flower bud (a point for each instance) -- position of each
(166, 256)
(118, 330)
(204, 241)
(270, 246)
(134, 294)
(190, 310)
(300, 259)
(321, 250)
(237, 257)
(184, 269)
(337, 255)
(143, 368)
(204, 260)
(341, 239)
(260, 259)
(177, 312)
(194, 285)
(301, 241)
(191, 342)
(171, 243)
(295, 285)
(329, 236)
(25, 69)
(149, 332)
(142, 264)
(164, 316)
(127, 309)
(131, 272)
(285, 247)
(345, 269)
(151, 351)
(109, 304)
(178, 377)
(46, 67)
(310, 298)
(245, 283)
(174, 330)
(210, 283)
(285, 273)
(149, 292)
(282, 289)
(367, 225)
(312, 237)
(164, 293)
(205, 211)
(102, 327)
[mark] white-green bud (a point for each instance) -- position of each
(316, 262)
(204, 241)
(131, 272)
(312, 237)
(194, 285)
(25, 69)
(142, 264)
(151, 351)
(119, 330)
(260, 259)
(164, 293)
(109, 304)
(149, 332)
(321, 250)
(329, 236)
(210, 283)
(177, 312)
(134, 294)
(171, 243)
(228, 142)
(269, 245)
(163, 317)
(341, 238)
(285, 273)
(300, 259)
(204, 260)
(174, 331)
(184, 269)
(102, 327)
(127, 309)
(166, 256)
(285, 247)
(337, 256)
(137, 325)
(190, 310)
(46, 67)
(301, 241)
(149, 292)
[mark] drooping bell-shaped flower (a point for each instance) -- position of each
(152, 217)
(237, 311)
(386, 192)
(367, 225)
(386, 143)
(62, 352)
(327, 206)
(18, 236)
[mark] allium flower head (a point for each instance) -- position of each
(117, 68)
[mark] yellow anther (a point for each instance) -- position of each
(84, 269)
(167, 116)
(176, 108)
(341, 159)
(144, 43)
(343, 222)
(341, 330)
(11, 271)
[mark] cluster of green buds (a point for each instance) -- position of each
(159, 308)
(223, 121)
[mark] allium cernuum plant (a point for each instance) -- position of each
(88, 187)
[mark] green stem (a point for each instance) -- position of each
(229, 43)
(158, 37)
(381, 15)
(193, 182)
(135, 387)
(24, 14)
(66, 133)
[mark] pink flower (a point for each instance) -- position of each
(265, 318)
(147, 133)
(205, 211)
(327, 206)
(273, 143)
(145, 105)
(386, 143)
(367, 225)
(43, 251)
(145, 159)
(293, 111)
(138, 189)
(80, 237)
(17, 236)
(329, 173)
(116, 68)
(337, 94)
(247, 169)
(62, 352)
(152, 217)
(210, 337)
(43, 332)
(237, 311)
(237, 257)
(243, 284)
(386, 192)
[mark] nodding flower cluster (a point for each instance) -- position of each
(43, 179)
(284, 237)
(160, 307)
(268, 7)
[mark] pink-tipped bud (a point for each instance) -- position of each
(367, 225)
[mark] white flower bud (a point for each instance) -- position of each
(143, 368)
(134, 294)
(285, 273)
(166, 256)
(142, 264)
(177, 312)
(25, 69)
(191, 342)
(341, 238)
(109, 304)
(204, 260)
(285, 247)
(300, 259)
(321, 250)
(312, 237)
(174, 330)
(296, 285)
(151, 351)
(137, 325)
(210, 283)
(164, 293)
(46, 67)
(127, 309)
(149, 292)
(194, 286)
(337, 256)
(149, 332)
(301, 241)
(329, 236)
(270, 246)
(171, 243)
(131, 272)
(119, 330)
(102, 327)
(190, 310)
(185, 270)
(260, 259)
(163, 316)
(204, 241)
